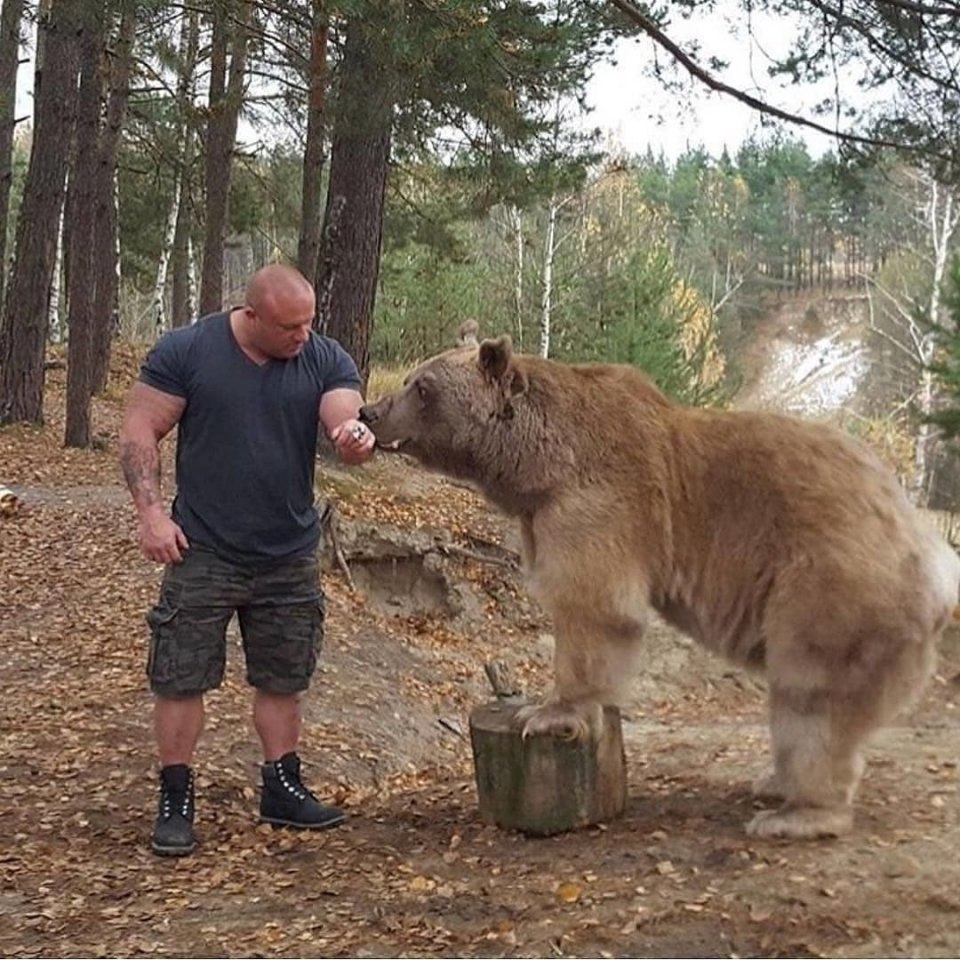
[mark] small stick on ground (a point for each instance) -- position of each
(328, 523)
(505, 685)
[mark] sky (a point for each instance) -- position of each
(636, 111)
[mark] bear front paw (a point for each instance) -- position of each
(556, 718)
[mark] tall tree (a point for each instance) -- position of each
(907, 308)
(118, 67)
(10, 17)
(489, 73)
(231, 28)
(355, 197)
(82, 205)
(176, 232)
(24, 332)
(181, 298)
(947, 367)
(308, 246)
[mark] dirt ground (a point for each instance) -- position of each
(414, 872)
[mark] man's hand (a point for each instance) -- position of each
(353, 441)
(161, 539)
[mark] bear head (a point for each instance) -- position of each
(448, 405)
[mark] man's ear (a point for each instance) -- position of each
(495, 357)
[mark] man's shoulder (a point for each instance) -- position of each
(174, 358)
(332, 361)
(322, 345)
(212, 326)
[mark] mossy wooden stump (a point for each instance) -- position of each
(543, 785)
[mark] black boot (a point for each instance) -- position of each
(286, 802)
(173, 833)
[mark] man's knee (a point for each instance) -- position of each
(187, 654)
(282, 645)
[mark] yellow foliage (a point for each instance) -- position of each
(697, 334)
(892, 440)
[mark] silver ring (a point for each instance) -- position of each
(359, 431)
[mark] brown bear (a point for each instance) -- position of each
(784, 545)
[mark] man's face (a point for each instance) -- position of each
(283, 327)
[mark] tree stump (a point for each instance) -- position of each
(544, 785)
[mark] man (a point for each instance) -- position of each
(246, 389)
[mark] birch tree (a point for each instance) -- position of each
(547, 291)
(907, 316)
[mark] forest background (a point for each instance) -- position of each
(425, 163)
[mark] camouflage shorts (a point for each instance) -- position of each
(280, 610)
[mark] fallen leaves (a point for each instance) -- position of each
(569, 892)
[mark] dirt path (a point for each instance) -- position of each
(414, 872)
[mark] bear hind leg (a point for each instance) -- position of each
(817, 765)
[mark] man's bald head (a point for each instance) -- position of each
(277, 290)
(279, 311)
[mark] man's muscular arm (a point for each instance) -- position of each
(149, 416)
(338, 413)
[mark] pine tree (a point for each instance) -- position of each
(947, 367)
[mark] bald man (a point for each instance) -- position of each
(246, 389)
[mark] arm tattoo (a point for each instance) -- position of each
(141, 470)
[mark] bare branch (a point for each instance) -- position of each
(694, 69)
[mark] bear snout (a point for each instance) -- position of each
(367, 415)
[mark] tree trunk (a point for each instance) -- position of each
(308, 247)
(106, 252)
(226, 96)
(942, 222)
(9, 58)
(181, 296)
(181, 306)
(543, 785)
(358, 177)
(516, 219)
(27, 293)
(83, 206)
(56, 328)
(157, 309)
(546, 292)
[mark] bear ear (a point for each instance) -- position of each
(518, 382)
(495, 357)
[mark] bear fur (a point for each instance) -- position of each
(784, 545)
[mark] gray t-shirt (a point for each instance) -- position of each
(247, 440)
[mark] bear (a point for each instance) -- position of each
(782, 544)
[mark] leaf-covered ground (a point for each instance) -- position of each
(414, 872)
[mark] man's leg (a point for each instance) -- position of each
(282, 630)
(177, 725)
(187, 658)
(277, 719)
(285, 801)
